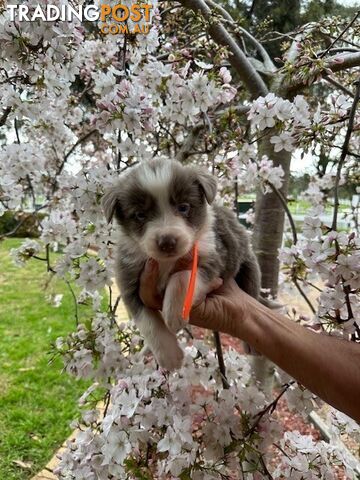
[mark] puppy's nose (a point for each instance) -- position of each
(167, 243)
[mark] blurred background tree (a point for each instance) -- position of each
(261, 17)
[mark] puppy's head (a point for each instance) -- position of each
(162, 206)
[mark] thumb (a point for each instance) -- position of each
(213, 285)
(210, 287)
(205, 310)
(148, 281)
(206, 314)
(151, 270)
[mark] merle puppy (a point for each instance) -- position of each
(162, 209)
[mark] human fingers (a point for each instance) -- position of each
(148, 292)
(221, 310)
(184, 263)
(212, 286)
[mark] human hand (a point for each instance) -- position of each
(224, 309)
(148, 292)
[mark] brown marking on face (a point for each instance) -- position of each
(185, 189)
(135, 207)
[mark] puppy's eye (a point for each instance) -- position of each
(140, 216)
(183, 209)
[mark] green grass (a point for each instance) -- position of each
(298, 206)
(303, 207)
(37, 402)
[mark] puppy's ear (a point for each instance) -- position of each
(110, 203)
(208, 184)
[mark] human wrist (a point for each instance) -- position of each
(248, 318)
(267, 330)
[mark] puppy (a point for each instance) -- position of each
(162, 208)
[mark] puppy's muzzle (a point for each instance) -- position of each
(167, 244)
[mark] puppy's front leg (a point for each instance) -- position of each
(161, 341)
(175, 296)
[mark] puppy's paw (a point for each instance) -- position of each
(170, 359)
(173, 318)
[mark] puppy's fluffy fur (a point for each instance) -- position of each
(162, 208)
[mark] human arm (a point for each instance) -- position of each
(327, 366)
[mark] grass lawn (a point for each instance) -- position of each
(299, 206)
(37, 402)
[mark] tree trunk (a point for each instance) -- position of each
(267, 239)
(269, 220)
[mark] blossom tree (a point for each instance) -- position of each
(79, 107)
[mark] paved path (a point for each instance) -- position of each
(47, 474)
(121, 311)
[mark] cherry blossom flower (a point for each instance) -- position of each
(284, 141)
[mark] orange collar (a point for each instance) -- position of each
(191, 287)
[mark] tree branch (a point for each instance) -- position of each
(293, 52)
(221, 9)
(188, 144)
(239, 109)
(251, 9)
(338, 50)
(343, 62)
(268, 63)
(337, 63)
(268, 409)
(283, 201)
(190, 140)
(221, 362)
(303, 294)
(76, 310)
(344, 152)
(338, 85)
(16, 127)
(4, 116)
(340, 35)
(247, 73)
(76, 144)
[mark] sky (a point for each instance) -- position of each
(302, 165)
(349, 3)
